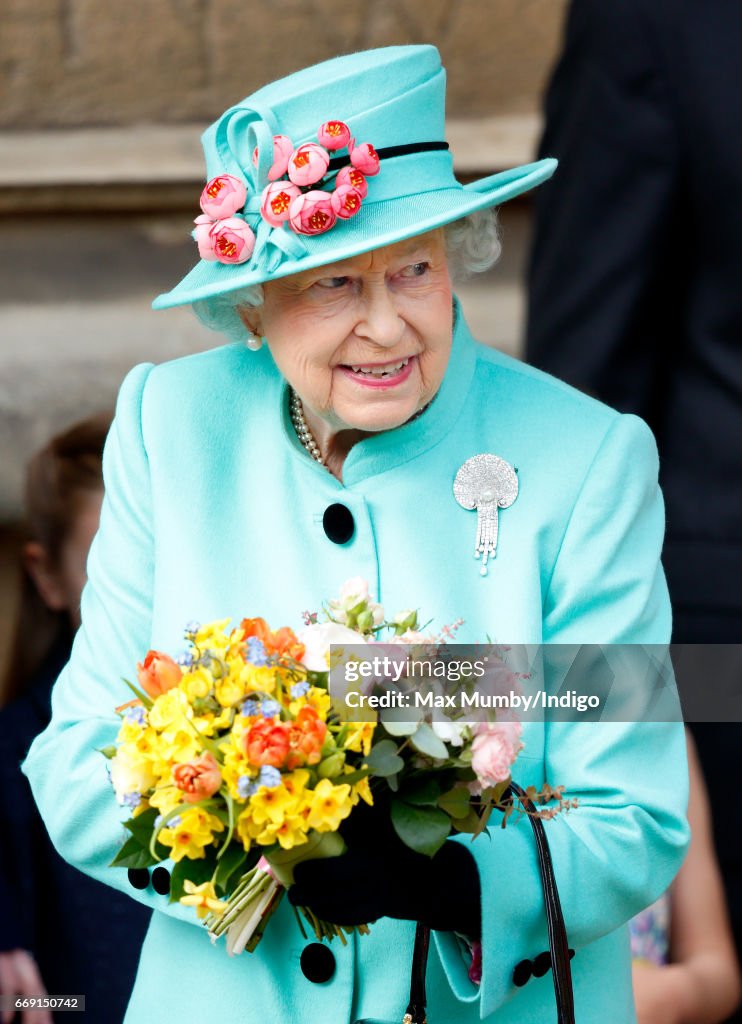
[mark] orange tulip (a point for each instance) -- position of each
(281, 642)
(306, 736)
(198, 779)
(267, 742)
(158, 674)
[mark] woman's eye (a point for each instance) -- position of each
(332, 282)
(416, 270)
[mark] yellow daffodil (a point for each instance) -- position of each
(329, 805)
(359, 737)
(270, 804)
(203, 897)
(194, 832)
(197, 683)
(295, 783)
(362, 789)
(260, 679)
(170, 711)
(290, 833)
(166, 798)
(229, 691)
(213, 636)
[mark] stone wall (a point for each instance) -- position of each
(66, 63)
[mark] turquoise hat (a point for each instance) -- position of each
(392, 99)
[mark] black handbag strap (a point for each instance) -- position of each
(558, 945)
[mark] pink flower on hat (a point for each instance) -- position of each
(202, 234)
(311, 213)
(283, 147)
(308, 164)
(226, 241)
(495, 748)
(346, 201)
(364, 157)
(277, 199)
(333, 135)
(352, 176)
(223, 196)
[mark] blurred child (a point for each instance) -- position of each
(685, 964)
(61, 933)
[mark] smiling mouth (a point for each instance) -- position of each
(378, 371)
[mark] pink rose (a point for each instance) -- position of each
(233, 240)
(277, 199)
(351, 176)
(495, 748)
(334, 134)
(312, 213)
(364, 157)
(283, 147)
(223, 196)
(202, 234)
(346, 201)
(308, 164)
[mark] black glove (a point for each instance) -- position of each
(381, 877)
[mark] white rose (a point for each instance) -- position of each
(130, 774)
(317, 640)
(450, 732)
(353, 591)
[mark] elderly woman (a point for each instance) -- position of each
(257, 477)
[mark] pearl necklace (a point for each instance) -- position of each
(302, 430)
(305, 435)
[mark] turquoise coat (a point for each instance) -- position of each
(213, 509)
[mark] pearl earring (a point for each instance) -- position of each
(254, 342)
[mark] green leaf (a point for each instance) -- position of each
(133, 855)
(400, 721)
(198, 871)
(469, 823)
(456, 802)
(230, 861)
(426, 741)
(422, 794)
(351, 778)
(384, 759)
(423, 829)
(147, 701)
(141, 827)
(108, 752)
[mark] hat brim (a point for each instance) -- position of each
(379, 224)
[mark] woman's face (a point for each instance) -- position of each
(364, 342)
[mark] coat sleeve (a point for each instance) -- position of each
(622, 846)
(64, 765)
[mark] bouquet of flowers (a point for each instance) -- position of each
(237, 765)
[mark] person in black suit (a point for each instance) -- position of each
(635, 295)
(61, 933)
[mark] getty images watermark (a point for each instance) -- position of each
(388, 678)
(547, 682)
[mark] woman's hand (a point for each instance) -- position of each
(19, 976)
(381, 877)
